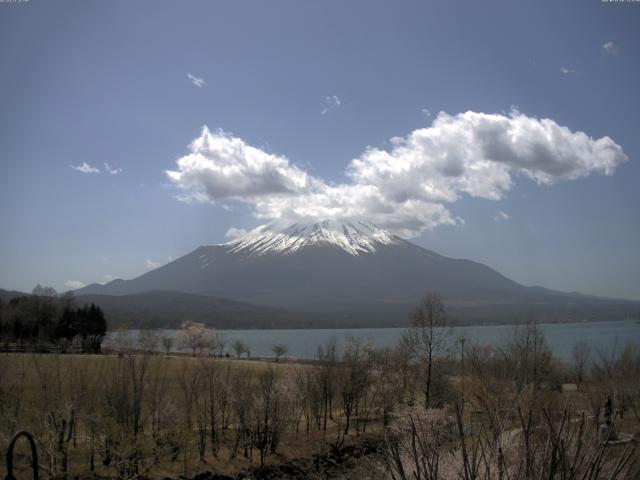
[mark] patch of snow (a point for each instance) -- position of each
(353, 237)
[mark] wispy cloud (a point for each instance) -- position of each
(197, 81)
(426, 112)
(330, 102)
(111, 170)
(568, 71)
(150, 264)
(85, 168)
(501, 216)
(407, 188)
(73, 284)
(234, 233)
(610, 48)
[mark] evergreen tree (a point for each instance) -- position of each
(95, 327)
(42, 318)
(67, 326)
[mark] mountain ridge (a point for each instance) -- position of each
(348, 271)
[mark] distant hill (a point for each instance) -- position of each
(165, 309)
(6, 295)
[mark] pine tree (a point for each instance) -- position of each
(96, 327)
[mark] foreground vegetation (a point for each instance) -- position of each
(431, 407)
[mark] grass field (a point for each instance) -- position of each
(153, 416)
(158, 407)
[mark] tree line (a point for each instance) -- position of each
(46, 321)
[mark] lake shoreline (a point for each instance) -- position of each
(304, 343)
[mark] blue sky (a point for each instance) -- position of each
(314, 83)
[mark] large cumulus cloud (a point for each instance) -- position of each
(221, 166)
(408, 187)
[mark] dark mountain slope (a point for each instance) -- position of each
(165, 309)
(351, 273)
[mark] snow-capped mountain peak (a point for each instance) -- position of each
(354, 237)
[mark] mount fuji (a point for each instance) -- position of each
(351, 273)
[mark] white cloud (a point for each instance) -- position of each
(568, 71)
(408, 188)
(610, 48)
(73, 284)
(197, 81)
(108, 277)
(330, 102)
(426, 112)
(221, 166)
(85, 168)
(150, 264)
(501, 216)
(111, 170)
(234, 233)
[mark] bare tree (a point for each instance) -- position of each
(308, 383)
(125, 397)
(618, 371)
(58, 414)
(190, 381)
(148, 341)
(579, 360)
(528, 355)
(353, 379)
(167, 342)
(327, 357)
(239, 347)
(415, 445)
(221, 343)
(279, 350)
(405, 371)
(270, 408)
(242, 403)
(429, 336)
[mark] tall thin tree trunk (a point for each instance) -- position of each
(427, 392)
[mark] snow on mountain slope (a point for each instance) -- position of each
(353, 237)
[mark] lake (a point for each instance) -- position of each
(560, 336)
